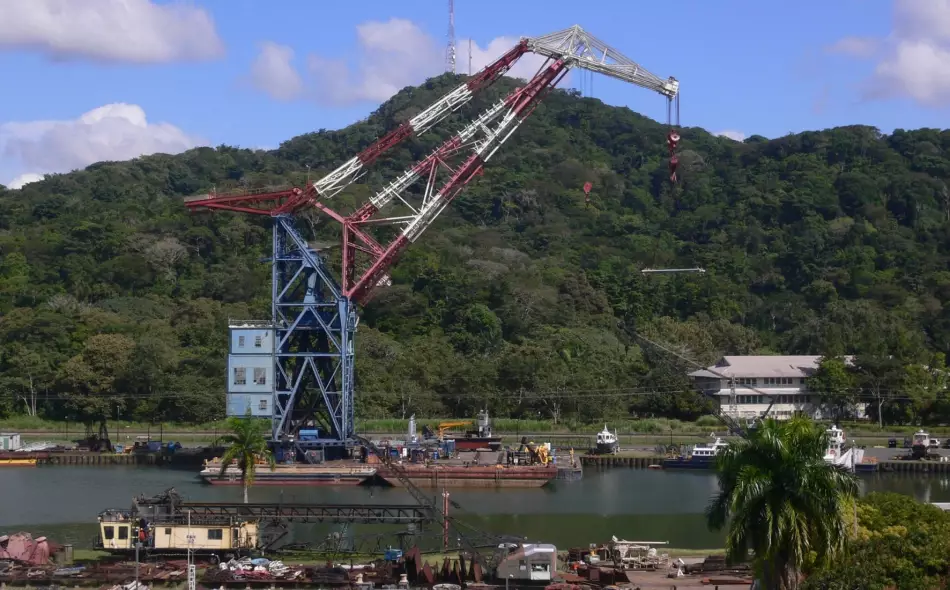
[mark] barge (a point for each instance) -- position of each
(349, 473)
(332, 474)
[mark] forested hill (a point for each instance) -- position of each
(822, 242)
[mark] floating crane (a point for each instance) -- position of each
(313, 314)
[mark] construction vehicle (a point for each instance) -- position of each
(537, 454)
(446, 426)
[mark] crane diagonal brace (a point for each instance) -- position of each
(350, 171)
(520, 105)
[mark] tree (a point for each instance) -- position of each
(781, 500)
(831, 241)
(93, 381)
(901, 543)
(247, 446)
(880, 379)
(835, 383)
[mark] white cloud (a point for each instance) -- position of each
(731, 134)
(131, 31)
(855, 46)
(525, 68)
(390, 55)
(112, 132)
(273, 73)
(23, 179)
(916, 59)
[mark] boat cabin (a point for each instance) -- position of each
(119, 531)
(529, 562)
(605, 437)
(709, 451)
(836, 436)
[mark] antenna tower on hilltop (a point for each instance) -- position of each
(450, 48)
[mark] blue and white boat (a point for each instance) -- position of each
(701, 457)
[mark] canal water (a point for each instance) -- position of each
(632, 504)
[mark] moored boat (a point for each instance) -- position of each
(701, 457)
(18, 462)
(607, 442)
(478, 439)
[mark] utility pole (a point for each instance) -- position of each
(855, 499)
(445, 521)
(192, 573)
(138, 545)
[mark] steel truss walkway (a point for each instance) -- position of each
(214, 512)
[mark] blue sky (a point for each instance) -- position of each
(745, 67)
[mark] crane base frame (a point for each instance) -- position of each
(314, 327)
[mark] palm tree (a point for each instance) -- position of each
(781, 500)
(247, 444)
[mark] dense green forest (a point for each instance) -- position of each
(115, 299)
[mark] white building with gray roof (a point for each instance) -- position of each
(782, 378)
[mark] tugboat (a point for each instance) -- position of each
(921, 446)
(702, 457)
(607, 442)
(480, 438)
(836, 440)
(849, 458)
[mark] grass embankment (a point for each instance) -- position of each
(643, 432)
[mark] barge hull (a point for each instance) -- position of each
(688, 465)
(455, 482)
(485, 477)
(300, 480)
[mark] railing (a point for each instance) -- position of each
(238, 193)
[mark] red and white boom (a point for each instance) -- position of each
(365, 260)
(480, 140)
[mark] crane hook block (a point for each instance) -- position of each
(672, 140)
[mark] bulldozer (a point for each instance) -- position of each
(538, 454)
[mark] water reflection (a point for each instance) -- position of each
(624, 502)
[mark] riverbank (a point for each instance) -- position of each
(659, 429)
(82, 569)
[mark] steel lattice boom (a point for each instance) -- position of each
(313, 315)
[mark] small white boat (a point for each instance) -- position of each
(607, 442)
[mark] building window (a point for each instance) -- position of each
(168, 532)
(260, 376)
(262, 405)
(746, 381)
(240, 376)
(778, 380)
(109, 532)
(215, 534)
(123, 532)
(240, 341)
(258, 341)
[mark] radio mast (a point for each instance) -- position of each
(450, 48)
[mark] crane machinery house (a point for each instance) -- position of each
(746, 386)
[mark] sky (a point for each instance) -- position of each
(92, 80)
